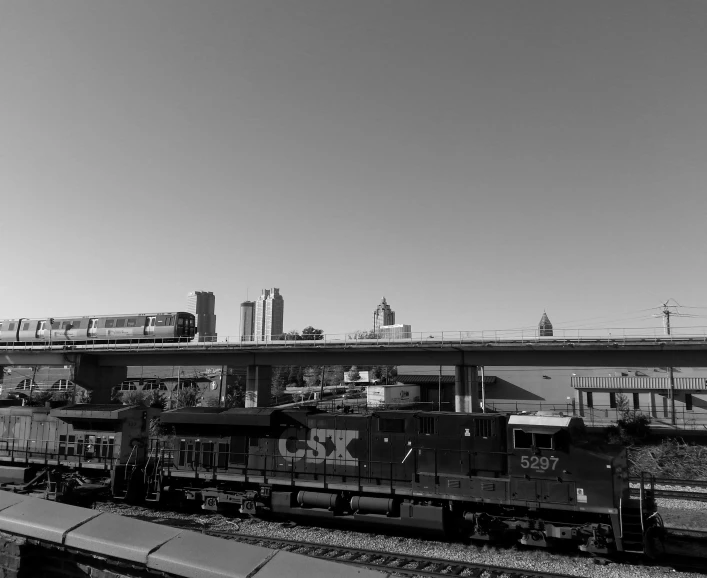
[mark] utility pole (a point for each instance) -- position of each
(666, 313)
(439, 390)
(220, 389)
(321, 386)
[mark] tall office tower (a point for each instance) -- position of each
(247, 319)
(202, 304)
(545, 327)
(383, 315)
(269, 314)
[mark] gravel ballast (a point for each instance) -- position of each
(538, 560)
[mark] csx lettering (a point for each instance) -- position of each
(317, 445)
(538, 463)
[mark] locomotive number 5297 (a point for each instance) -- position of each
(538, 463)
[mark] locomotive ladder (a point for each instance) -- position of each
(128, 470)
(633, 518)
(151, 478)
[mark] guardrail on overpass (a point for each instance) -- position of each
(508, 337)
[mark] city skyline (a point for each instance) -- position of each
(520, 158)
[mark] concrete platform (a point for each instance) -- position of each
(154, 547)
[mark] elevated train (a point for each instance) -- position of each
(173, 325)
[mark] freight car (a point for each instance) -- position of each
(41, 446)
(173, 325)
(483, 475)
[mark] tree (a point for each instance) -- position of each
(133, 398)
(313, 375)
(353, 374)
(362, 334)
(188, 397)
(279, 380)
(312, 334)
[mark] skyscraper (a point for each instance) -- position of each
(202, 304)
(247, 320)
(269, 315)
(383, 315)
(545, 327)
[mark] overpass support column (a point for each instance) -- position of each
(580, 401)
(258, 385)
(651, 405)
(98, 379)
(466, 389)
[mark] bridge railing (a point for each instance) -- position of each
(608, 335)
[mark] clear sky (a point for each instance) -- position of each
(475, 162)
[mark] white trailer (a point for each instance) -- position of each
(389, 396)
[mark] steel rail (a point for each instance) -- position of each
(404, 564)
(676, 494)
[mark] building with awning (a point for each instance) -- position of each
(640, 393)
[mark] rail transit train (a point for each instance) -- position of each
(481, 476)
(173, 325)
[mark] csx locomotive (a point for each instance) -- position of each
(174, 325)
(484, 475)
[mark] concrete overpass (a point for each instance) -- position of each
(100, 366)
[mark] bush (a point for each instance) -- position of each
(632, 427)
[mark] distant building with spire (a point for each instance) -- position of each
(545, 327)
(383, 315)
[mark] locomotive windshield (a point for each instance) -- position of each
(525, 440)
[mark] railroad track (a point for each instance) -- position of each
(674, 482)
(400, 564)
(676, 494)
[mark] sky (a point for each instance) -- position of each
(476, 163)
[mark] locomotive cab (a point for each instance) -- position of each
(540, 462)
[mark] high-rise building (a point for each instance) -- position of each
(202, 305)
(398, 331)
(545, 327)
(247, 320)
(269, 315)
(383, 315)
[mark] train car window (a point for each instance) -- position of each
(120, 323)
(168, 320)
(688, 402)
(25, 327)
(543, 441)
(56, 325)
(11, 327)
(207, 454)
(253, 442)
(182, 452)
(71, 447)
(390, 425)
(77, 325)
(131, 322)
(483, 428)
(428, 425)
(110, 322)
(222, 455)
(0, 326)
(522, 440)
(180, 321)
